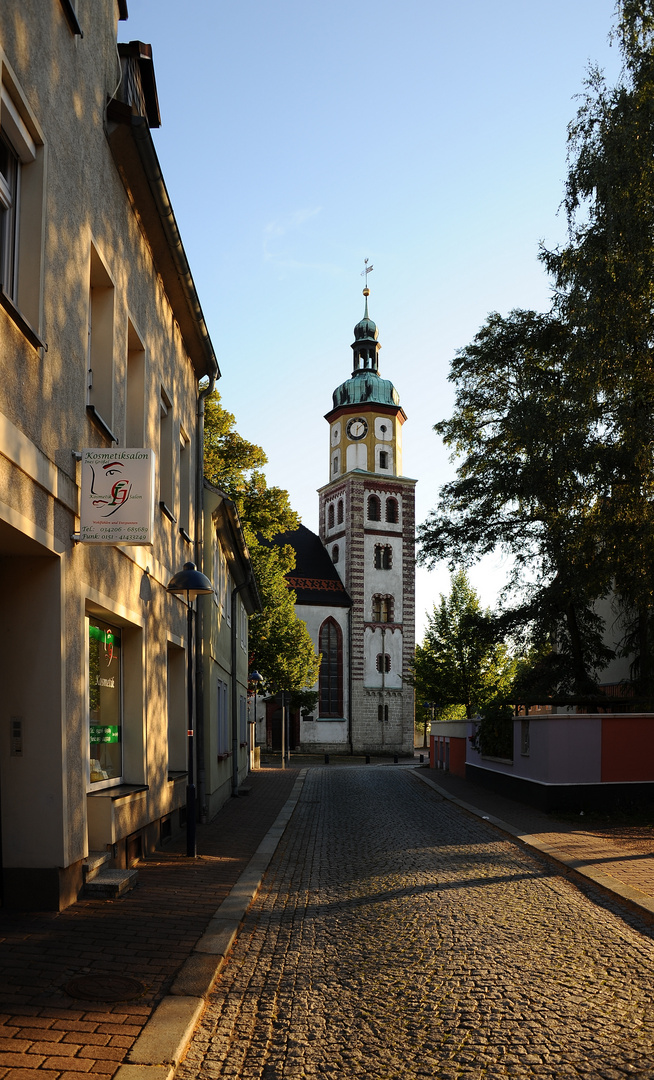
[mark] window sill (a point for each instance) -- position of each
(94, 415)
(223, 757)
(167, 512)
(21, 322)
(121, 791)
(185, 536)
(175, 775)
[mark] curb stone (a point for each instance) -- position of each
(164, 1039)
(638, 901)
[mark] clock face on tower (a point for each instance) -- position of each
(357, 428)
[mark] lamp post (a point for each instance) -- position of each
(191, 583)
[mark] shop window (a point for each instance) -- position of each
(382, 609)
(383, 662)
(339, 512)
(331, 669)
(383, 557)
(21, 212)
(330, 516)
(105, 702)
(392, 511)
(374, 508)
(335, 553)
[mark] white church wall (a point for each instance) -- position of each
(377, 641)
(383, 582)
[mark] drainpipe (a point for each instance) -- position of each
(199, 616)
(235, 718)
(349, 681)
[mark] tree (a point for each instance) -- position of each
(460, 663)
(524, 434)
(280, 644)
(559, 469)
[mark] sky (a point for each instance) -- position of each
(299, 138)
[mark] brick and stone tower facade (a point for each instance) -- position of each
(367, 524)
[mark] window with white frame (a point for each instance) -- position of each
(21, 209)
(243, 719)
(222, 719)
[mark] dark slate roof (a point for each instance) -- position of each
(315, 579)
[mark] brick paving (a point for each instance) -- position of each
(47, 1035)
(398, 937)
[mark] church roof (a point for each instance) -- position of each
(315, 579)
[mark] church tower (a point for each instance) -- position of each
(367, 524)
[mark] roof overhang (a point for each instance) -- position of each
(367, 407)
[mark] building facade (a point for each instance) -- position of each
(103, 345)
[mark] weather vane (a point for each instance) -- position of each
(366, 270)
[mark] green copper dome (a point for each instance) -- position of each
(365, 385)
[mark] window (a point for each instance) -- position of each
(382, 609)
(331, 669)
(184, 485)
(383, 459)
(335, 465)
(21, 211)
(382, 713)
(383, 662)
(374, 508)
(135, 395)
(335, 553)
(330, 516)
(166, 455)
(392, 513)
(177, 708)
(339, 512)
(222, 719)
(105, 702)
(243, 625)
(243, 720)
(100, 381)
(383, 557)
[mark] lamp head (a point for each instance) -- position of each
(190, 581)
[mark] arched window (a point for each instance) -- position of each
(335, 553)
(383, 662)
(339, 513)
(383, 557)
(330, 516)
(382, 608)
(331, 669)
(392, 511)
(382, 713)
(374, 508)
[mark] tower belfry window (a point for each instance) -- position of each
(374, 508)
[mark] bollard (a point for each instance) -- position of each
(367, 759)
(395, 759)
(326, 759)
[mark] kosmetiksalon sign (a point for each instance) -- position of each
(117, 497)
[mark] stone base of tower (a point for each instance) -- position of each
(382, 721)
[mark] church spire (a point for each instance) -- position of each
(365, 345)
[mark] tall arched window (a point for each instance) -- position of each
(374, 508)
(392, 511)
(382, 608)
(339, 514)
(335, 553)
(331, 669)
(330, 516)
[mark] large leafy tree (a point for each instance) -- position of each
(280, 644)
(558, 453)
(460, 664)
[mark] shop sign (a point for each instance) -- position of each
(117, 497)
(104, 733)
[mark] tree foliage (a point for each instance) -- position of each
(554, 414)
(280, 644)
(460, 663)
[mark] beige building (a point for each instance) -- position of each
(103, 345)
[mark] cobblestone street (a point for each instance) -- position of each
(396, 936)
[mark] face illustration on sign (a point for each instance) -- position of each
(110, 488)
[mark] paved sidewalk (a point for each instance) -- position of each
(45, 1033)
(620, 859)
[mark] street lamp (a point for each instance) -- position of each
(191, 583)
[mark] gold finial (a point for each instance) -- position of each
(364, 274)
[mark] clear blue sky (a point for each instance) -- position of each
(298, 138)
